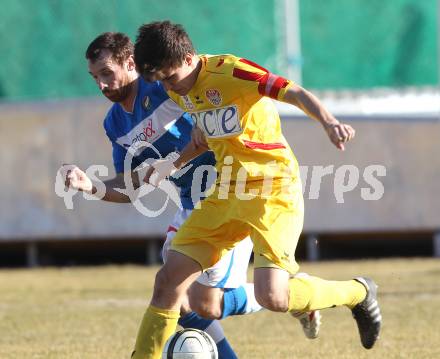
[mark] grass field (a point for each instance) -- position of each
(94, 312)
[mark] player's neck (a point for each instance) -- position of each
(195, 73)
(128, 103)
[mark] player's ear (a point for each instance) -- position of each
(189, 59)
(131, 64)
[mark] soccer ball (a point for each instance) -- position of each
(190, 344)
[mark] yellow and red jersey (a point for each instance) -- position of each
(231, 103)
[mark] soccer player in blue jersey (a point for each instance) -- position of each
(143, 113)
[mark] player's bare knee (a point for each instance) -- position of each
(206, 301)
(205, 308)
(208, 312)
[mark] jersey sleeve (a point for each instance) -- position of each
(267, 83)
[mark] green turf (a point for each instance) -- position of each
(94, 313)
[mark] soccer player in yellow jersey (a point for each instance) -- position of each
(258, 192)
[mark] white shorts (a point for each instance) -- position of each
(229, 272)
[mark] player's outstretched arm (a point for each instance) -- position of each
(339, 133)
(77, 179)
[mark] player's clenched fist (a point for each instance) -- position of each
(75, 178)
(339, 134)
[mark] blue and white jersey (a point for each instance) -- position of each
(158, 120)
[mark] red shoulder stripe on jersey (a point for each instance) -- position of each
(263, 146)
(278, 84)
(171, 229)
(246, 75)
(253, 64)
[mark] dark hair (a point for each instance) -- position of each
(117, 43)
(161, 44)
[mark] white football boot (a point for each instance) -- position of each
(310, 322)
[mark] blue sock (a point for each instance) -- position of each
(192, 320)
(225, 351)
(234, 301)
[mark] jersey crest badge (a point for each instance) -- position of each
(146, 103)
(214, 97)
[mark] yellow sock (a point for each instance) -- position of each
(313, 293)
(156, 327)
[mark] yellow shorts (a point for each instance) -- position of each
(274, 222)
